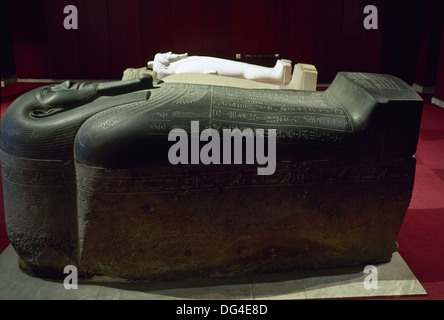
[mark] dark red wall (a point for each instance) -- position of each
(430, 42)
(7, 54)
(114, 34)
(439, 89)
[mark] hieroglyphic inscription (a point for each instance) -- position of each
(37, 173)
(179, 111)
(298, 117)
(92, 180)
(166, 95)
(376, 82)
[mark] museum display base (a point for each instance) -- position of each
(395, 279)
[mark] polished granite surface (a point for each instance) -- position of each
(395, 279)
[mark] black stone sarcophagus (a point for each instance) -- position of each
(88, 182)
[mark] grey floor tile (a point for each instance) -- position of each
(394, 279)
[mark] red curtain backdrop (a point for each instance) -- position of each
(113, 35)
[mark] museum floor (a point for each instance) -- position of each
(420, 244)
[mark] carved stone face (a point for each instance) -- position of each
(66, 93)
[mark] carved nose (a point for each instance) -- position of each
(67, 84)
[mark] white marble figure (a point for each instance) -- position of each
(169, 63)
(304, 78)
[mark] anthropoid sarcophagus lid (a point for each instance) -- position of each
(172, 181)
